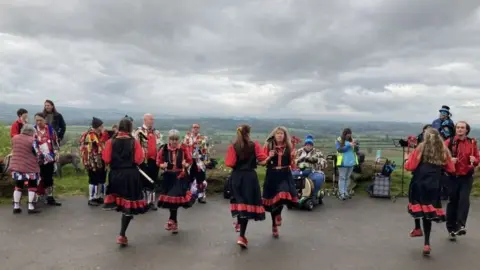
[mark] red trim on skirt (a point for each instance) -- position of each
(126, 204)
(176, 200)
(280, 196)
(240, 207)
(418, 208)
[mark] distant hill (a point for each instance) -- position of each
(318, 128)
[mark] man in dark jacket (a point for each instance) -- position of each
(54, 119)
(466, 157)
(444, 124)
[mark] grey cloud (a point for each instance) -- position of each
(148, 50)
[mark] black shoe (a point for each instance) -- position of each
(109, 207)
(452, 236)
(93, 202)
(461, 231)
(33, 211)
(202, 200)
(17, 211)
(53, 202)
(100, 200)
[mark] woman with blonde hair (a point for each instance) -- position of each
(174, 159)
(279, 186)
(246, 201)
(427, 163)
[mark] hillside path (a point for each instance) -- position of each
(362, 233)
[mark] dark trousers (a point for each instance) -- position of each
(97, 177)
(151, 169)
(196, 174)
(459, 201)
(46, 174)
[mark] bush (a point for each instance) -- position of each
(5, 144)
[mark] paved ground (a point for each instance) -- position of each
(359, 234)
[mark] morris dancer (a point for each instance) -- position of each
(124, 192)
(198, 147)
(149, 139)
(16, 127)
(174, 159)
(49, 152)
(92, 144)
(427, 163)
(465, 155)
(25, 168)
(279, 186)
(246, 200)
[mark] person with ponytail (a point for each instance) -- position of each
(246, 201)
(279, 186)
(124, 191)
(427, 163)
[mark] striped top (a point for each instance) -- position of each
(24, 159)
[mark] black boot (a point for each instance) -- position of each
(17, 211)
(53, 202)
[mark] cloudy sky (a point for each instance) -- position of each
(368, 59)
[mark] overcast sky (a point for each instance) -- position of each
(368, 59)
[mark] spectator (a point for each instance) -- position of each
(16, 127)
(54, 119)
(346, 160)
(466, 157)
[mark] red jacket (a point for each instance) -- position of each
(16, 128)
(462, 150)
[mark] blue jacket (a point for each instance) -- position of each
(348, 157)
(445, 127)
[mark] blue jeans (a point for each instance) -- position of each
(318, 178)
(344, 174)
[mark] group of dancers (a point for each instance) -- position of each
(131, 159)
(433, 162)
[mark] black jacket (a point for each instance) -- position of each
(59, 125)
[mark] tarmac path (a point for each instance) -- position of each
(362, 233)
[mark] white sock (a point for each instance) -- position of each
(17, 196)
(91, 192)
(31, 199)
(100, 191)
(148, 196)
(152, 196)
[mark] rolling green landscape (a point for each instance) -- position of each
(372, 137)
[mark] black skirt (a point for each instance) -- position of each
(425, 193)
(279, 189)
(246, 199)
(124, 191)
(175, 191)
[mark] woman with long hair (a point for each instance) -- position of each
(124, 191)
(279, 186)
(346, 160)
(54, 119)
(174, 159)
(246, 200)
(427, 163)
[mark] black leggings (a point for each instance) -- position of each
(46, 174)
(277, 211)
(427, 229)
(243, 225)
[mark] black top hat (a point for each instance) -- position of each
(446, 109)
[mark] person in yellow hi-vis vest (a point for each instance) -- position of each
(346, 160)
